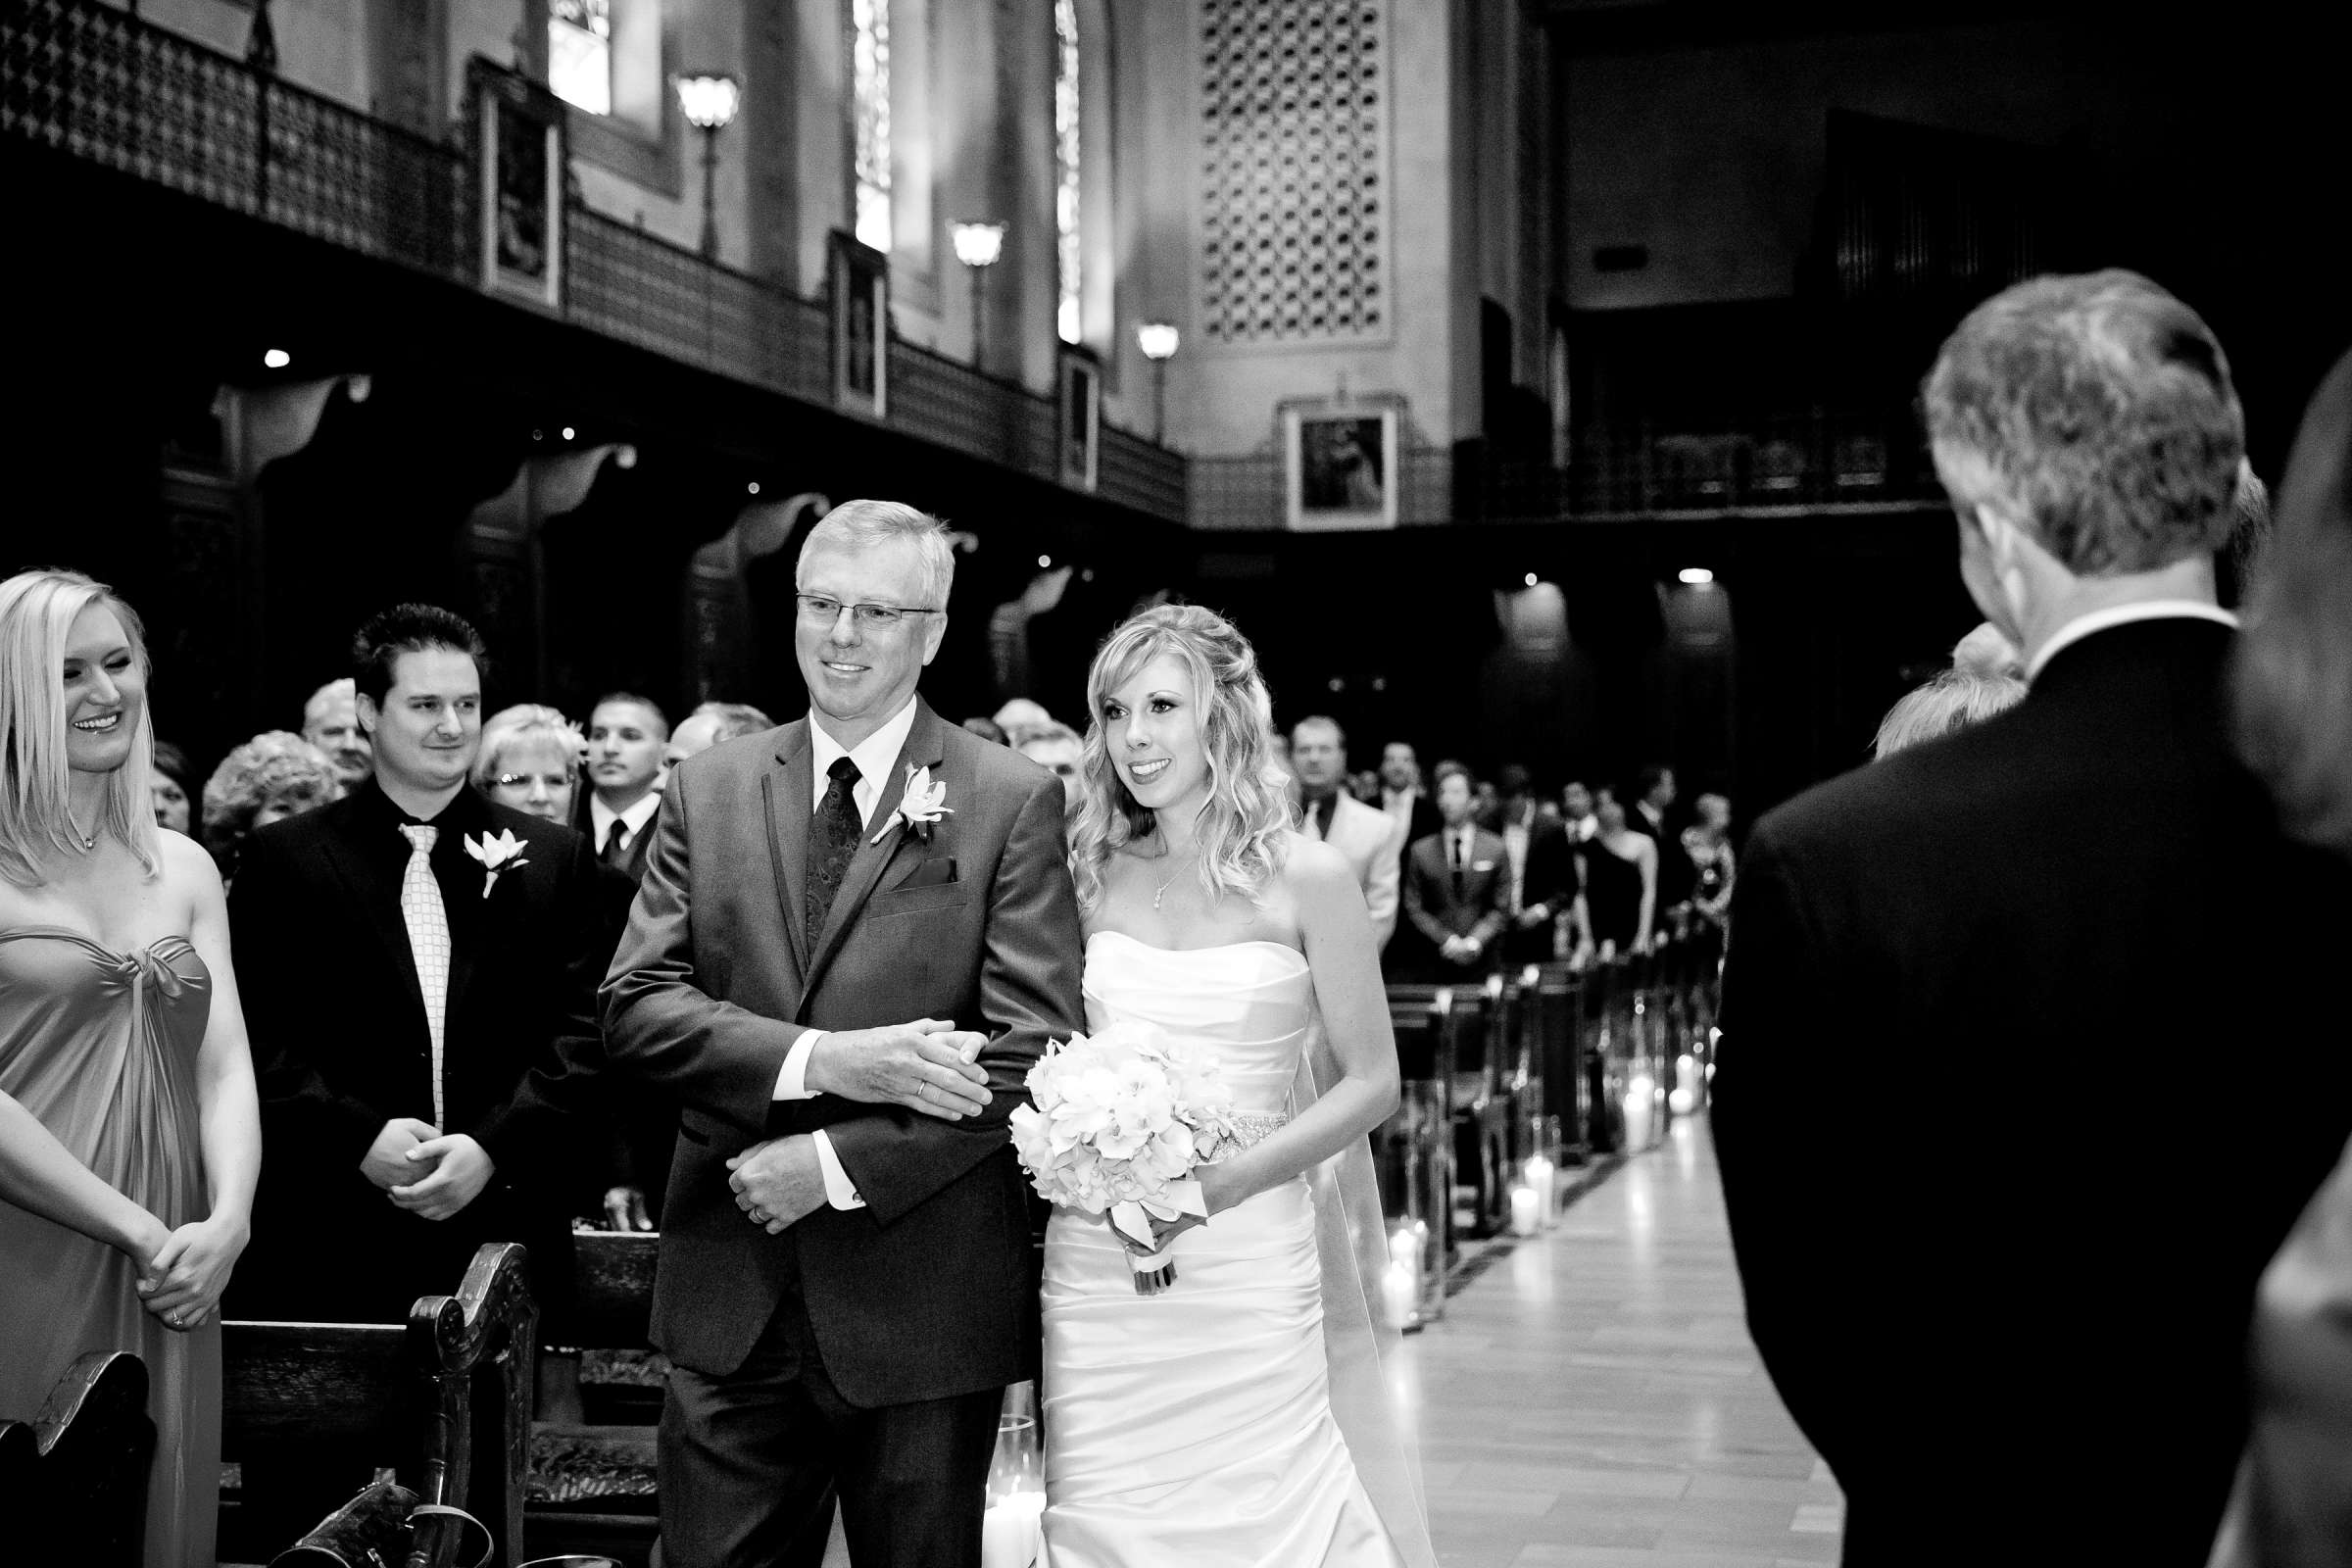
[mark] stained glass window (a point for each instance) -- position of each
(1070, 253)
(579, 53)
(869, 76)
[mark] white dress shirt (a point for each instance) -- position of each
(2098, 621)
(601, 818)
(875, 756)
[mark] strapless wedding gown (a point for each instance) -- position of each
(1195, 1426)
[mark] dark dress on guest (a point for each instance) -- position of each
(1613, 895)
(101, 1047)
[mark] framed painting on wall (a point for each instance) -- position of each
(520, 161)
(860, 286)
(1339, 467)
(1080, 414)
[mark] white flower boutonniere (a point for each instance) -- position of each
(496, 854)
(919, 806)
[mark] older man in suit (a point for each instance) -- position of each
(853, 939)
(1366, 834)
(2014, 1347)
(1457, 888)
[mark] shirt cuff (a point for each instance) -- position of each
(840, 1190)
(791, 1079)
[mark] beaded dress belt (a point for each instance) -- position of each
(1249, 1128)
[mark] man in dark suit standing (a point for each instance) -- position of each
(1544, 884)
(412, 953)
(1457, 888)
(627, 735)
(1978, 992)
(854, 935)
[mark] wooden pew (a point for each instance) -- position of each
(73, 1477)
(612, 1309)
(445, 1399)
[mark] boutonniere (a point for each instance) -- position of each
(919, 806)
(496, 854)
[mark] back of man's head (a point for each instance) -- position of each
(2100, 410)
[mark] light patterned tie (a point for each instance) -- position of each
(428, 942)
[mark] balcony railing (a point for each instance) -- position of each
(102, 85)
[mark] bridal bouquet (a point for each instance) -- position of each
(1122, 1118)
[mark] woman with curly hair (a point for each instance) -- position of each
(1199, 1425)
(273, 776)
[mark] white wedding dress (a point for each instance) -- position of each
(1196, 1426)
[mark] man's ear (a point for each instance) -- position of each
(364, 709)
(2003, 536)
(934, 633)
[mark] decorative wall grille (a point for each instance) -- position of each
(1294, 133)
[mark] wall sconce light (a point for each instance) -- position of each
(709, 102)
(977, 247)
(1158, 340)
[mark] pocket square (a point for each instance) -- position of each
(929, 874)
(1482, 866)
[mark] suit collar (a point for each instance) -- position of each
(2099, 620)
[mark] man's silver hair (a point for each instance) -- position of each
(345, 690)
(853, 525)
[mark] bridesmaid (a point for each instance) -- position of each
(128, 1134)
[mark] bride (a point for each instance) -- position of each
(1198, 1426)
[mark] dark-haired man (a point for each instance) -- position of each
(626, 735)
(1457, 886)
(2084, 870)
(453, 944)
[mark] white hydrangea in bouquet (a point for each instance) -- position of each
(1121, 1120)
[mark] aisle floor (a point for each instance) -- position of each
(1591, 1400)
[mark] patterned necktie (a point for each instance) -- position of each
(833, 830)
(614, 855)
(428, 943)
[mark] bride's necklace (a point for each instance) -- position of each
(88, 841)
(1162, 891)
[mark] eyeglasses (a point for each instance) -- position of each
(512, 781)
(823, 609)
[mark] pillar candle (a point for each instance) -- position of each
(1011, 1532)
(1400, 1291)
(1527, 1211)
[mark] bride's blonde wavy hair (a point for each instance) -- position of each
(1248, 806)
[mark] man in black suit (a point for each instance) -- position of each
(1654, 817)
(845, 991)
(399, 1134)
(1980, 992)
(1457, 889)
(627, 735)
(1542, 873)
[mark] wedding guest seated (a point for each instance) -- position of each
(711, 724)
(626, 734)
(1061, 752)
(530, 761)
(271, 778)
(2293, 681)
(170, 783)
(330, 721)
